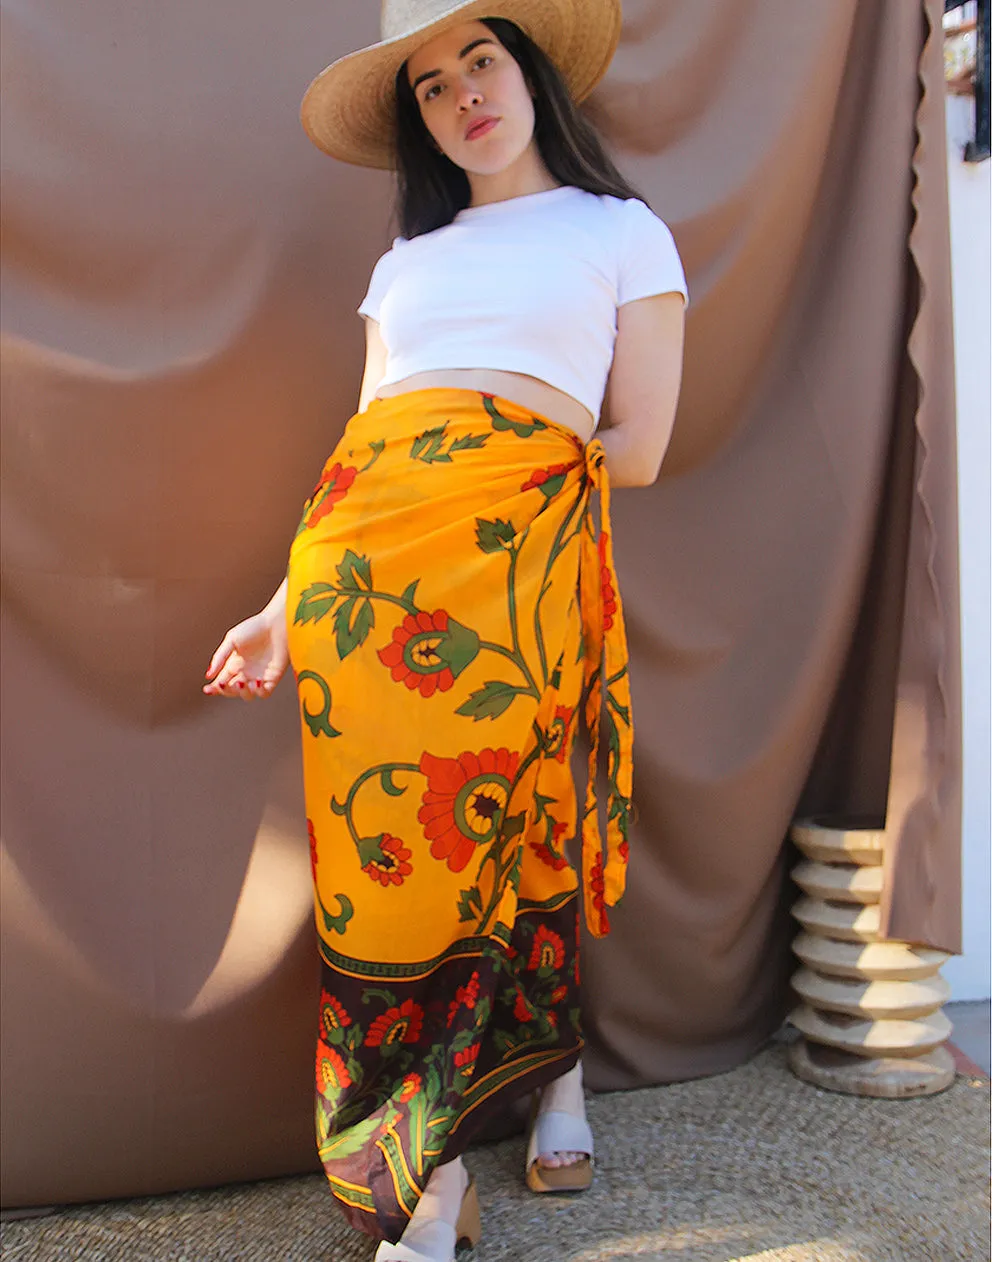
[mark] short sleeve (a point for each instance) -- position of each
(649, 257)
(381, 279)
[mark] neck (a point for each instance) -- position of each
(526, 174)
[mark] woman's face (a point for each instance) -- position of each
(473, 98)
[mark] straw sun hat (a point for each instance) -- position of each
(348, 110)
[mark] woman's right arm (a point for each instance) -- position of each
(253, 656)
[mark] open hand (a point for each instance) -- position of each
(251, 658)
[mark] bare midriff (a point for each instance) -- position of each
(537, 396)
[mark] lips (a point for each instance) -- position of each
(480, 127)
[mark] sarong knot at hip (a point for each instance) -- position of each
(451, 601)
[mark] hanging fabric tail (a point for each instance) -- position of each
(607, 682)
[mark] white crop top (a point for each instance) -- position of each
(528, 285)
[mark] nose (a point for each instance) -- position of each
(468, 95)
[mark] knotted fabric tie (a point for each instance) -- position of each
(607, 707)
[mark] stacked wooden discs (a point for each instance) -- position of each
(870, 1014)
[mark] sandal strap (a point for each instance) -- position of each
(428, 1241)
(557, 1131)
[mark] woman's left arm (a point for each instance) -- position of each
(643, 389)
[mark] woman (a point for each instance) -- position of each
(449, 602)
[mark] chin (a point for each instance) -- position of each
(491, 164)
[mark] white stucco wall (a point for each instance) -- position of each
(971, 277)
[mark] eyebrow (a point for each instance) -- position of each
(432, 74)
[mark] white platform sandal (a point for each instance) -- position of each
(432, 1239)
(557, 1131)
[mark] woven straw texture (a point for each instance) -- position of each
(753, 1164)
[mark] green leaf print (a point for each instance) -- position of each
(355, 573)
(522, 429)
(318, 721)
(352, 624)
(469, 442)
(428, 447)
(315, 601)
(490, 701)
(388, 785)
(494, 536)
(469, 903)
(336, 924)
(352, 1141)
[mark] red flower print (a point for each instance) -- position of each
(332, 1072)
(558, 994)
(548, 949)
(556, 737)
(549, 481)
(466, 995)
(522, 1009)
(332, 1014)
(313, 848)
(609, 595)
(333, 486)
(411, 1085)
(465, 800)
(554, 861)
(546, 850)
(394, 866)
(467, 1056)
(597, 883)
(429, 651)
(396, 1025)
(624, 851)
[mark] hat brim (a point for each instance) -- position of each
(349, 109)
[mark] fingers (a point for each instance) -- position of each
(232, 683)
(224, 650)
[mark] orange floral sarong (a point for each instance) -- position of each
(450, 605)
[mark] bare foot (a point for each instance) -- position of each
(565, 1094)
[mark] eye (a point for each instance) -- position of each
(482, 61)
(433, 91)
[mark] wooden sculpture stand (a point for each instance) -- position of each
(870, 1016)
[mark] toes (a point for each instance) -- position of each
(558, 1160)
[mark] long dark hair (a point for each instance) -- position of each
(431, 189)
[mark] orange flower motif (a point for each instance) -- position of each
(334, 484)
(467, 1057)
(394, 866)
(465, 800)
(558, 994)
(396, 1025)
(467, 995)
(624, 851)
(548, 950)
(429, 651)
(609, 595)
(332, 1072)
(549, 481)
(411, 1085)
(332, 1014)
(313, 848)
(522, 1009)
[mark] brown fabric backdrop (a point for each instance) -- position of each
(181, 273)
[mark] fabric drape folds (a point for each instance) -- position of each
(450, 601)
